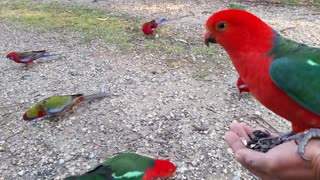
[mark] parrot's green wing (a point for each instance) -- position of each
(57, 104)
(296, 70)
(124, 166)
(129, 165)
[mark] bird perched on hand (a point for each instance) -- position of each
(28, 57)
(57, 105)
(129, 166)
(149, 27)
(282, 74)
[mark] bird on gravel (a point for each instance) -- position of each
(57, 105)
(129, 166)
(28, 57)
(149, 27)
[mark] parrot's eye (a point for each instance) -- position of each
(221, 26)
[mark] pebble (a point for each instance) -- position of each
(61, 161)
(21, 173)
(258, 113)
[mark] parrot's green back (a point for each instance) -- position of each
(57, 104)
(295, 69)
(124, 166)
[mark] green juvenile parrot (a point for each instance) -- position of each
(129, 166)
(57, 105)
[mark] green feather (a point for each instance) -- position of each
(124, 166)
(237, 6)
(58, 104)
(296, 70)
(34, 110)
(129, 162)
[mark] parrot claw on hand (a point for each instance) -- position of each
(305, 137)
(263, 142)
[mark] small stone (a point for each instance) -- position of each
(236, 178)
(182, 169)
(61, 161)
(225, 171)
(21, 173)
(258, 113)
(194, 163)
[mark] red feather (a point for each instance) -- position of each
(149, 27)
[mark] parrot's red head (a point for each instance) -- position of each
(149, 27)
(161, 169)
(236, 29)
(29, 115)
(12, 56)
(25, 117)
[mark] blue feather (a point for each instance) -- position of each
(161, 21)
(49, 55)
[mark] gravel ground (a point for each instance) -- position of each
(155, 108)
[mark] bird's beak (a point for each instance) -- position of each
(208, 38)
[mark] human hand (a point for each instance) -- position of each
(281, 162)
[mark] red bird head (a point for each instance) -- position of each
(236, 29)
(12, 56)
(25, 117)
(161, 169)
(149, 27)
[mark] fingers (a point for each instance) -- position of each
(233, 140)
(238, 129)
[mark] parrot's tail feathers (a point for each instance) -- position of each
(96, 96)
(161, 21)
(50, 55)
(237, 6)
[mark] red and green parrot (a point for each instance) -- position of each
(28, 57)
(57, 105)
(129, 166)
(282, 74)
(149, 27)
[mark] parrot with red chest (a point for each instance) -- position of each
(282, 74)
(57, 105)
(149, 27)
(129, 166)
(28, 57)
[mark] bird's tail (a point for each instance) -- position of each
(161, 21)
(50, 55)
(237, 6)
(96, 96)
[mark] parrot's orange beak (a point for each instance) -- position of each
(208, 38)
